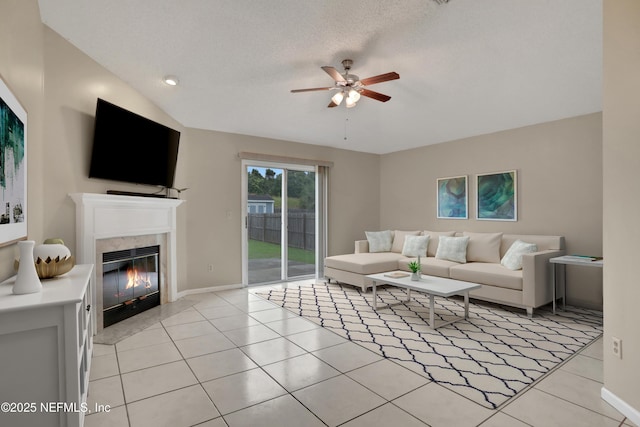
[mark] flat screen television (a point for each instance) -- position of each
(130, 148)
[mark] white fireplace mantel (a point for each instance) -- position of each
(104, 216)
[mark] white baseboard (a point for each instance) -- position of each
(206, 290)
(623, 407)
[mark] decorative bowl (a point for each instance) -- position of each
(51, 267)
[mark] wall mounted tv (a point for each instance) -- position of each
(130, 148)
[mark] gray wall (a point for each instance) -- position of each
(559, 168)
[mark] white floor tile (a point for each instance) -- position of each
(105, 391)
(220, 364)
(292, 325)
(242, 390)
(190, 330)
(251, 335)
(301, 371)
(143, 339)
(577, 389)
(388, 379)
(103, 366)
(271, 351)
(156, 380)
(282, 411)
(234, 322)
(347, 357)
(315, 339)
(338, 400)
(116, 417)
(557, 412)
(587, 367)
(184, 407)
(438, 406)
(502, 420)
(595, 349)
(204, 344)
(145, 357)
(187, 316)
(271, 315)
(103, 349)
(385, 416)
(220, 311)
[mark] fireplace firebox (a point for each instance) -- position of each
(130, 282)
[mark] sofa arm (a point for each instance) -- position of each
(536, 277)
(362, 246)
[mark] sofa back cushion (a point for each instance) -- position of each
(398, 239)
(543, 243)
(483, 247)
(434, 239)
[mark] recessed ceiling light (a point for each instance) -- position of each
(171, 80)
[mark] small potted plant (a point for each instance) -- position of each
(414, 266)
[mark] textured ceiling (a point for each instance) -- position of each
(466, 67)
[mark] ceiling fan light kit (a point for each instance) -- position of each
(351, 87)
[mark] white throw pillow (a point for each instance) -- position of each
(379, 241)
(453, 248)
(415, 246)
(398, 239)
(512, 259)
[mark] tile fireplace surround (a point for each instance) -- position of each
(106, 222)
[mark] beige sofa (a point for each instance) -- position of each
(527, 288)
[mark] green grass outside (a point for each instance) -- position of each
(258, 249)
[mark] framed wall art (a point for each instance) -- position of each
(13, 168)
(497, 196)
(452, 200)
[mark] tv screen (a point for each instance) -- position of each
(130, 148)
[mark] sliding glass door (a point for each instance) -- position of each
(280, 223)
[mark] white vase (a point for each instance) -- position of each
(27, 280)
(415, 276)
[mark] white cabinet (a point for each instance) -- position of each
(46, 341)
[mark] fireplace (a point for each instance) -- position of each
(130, 282)
(110, 223)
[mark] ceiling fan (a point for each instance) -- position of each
(350, 87)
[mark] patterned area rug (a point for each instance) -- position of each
(489, 358)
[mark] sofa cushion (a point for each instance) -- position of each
(367, 263)
(483, 247)
(415, 246)
(487, 274)
(434, 237)
(398, 239)
(513, 258)
(453, 248)
(379, 241)
(431, 266)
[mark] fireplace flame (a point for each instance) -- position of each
(136, 278)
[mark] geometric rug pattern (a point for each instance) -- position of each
(489, 358)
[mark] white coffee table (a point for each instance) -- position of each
(431, 285)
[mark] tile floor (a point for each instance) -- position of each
(233, 359)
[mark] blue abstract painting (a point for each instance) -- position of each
(497, 198)
(452, 197)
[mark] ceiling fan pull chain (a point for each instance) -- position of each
(346, 121)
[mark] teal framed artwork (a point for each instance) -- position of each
(13, 167)
(452, 200)
(497, 196)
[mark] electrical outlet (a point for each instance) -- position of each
(210, 268)
(616, 346)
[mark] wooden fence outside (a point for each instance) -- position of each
(301, 233)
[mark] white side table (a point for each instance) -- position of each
(564, 261)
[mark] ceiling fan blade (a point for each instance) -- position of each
(311, 89)
(375, 95)
(381, 78)
(335, 75)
